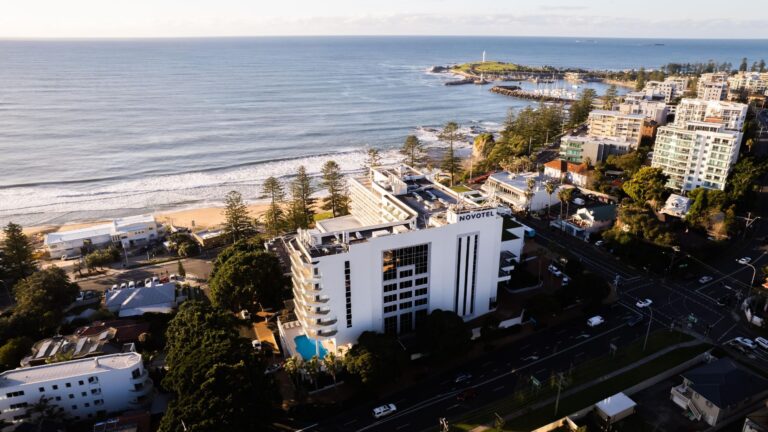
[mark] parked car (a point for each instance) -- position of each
(244, 314)
(554, 270)
(747, 343)
(140, 284)
(123, 285)
(744, 260)
(131, 284)
(705, 279)
(763, 342)
(595, 321)
(155, 280)
(466, 395)
(164, 279)
(599, 243)
(566, 280)
(147, 282)
(462, 378)
(256, 344)
(644, 303)
(384, 410)
(114, 287)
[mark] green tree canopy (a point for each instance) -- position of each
(375, 359)
(413, 151)
(334, 182)
(17, 261)
(451, 163)
(274, 218)
(246, 277)
(238, 223)
(13, 351)
(43, 296)
(444, 334)
(647, 184)
(301, 212)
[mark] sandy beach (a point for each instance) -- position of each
(198, 219)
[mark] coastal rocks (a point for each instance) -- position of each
(439, 69)
(515, 91)
(460, 82)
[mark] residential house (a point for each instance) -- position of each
(716, 390)
(568, 172)
(130, 302)
(589, 220)
(579, 148)
(512, 189)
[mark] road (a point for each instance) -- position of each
(495, 375)
(683, 304)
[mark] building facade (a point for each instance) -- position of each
(655, 111)
(712, 86)
(731, 114)
(669, 89)
(512, 190)
(616, 126)
(81, 389)
(748, 82)
(127, 232)
(579, 148)
(409, 246)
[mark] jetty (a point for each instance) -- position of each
(460, 82)
(515, 91)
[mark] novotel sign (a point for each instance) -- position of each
(462, 217)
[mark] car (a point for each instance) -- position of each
(131, 284)
(579, 201)
(114, 287)
(705, 279)
(155, 280)
(529, 358)
(566, 280)
(744, 260)
(140, 284)
(637, 319)
(80, 296)
(244, 314)
(164, 279)
(256, 344)
(462, 378)
(466, 395)
(599, 243)
(147, 282)
(763, 342)
(384, 410)
(595, 321)
(745, 342)
(274, 367)
(644, 303)
(554, 270)
(123, 285)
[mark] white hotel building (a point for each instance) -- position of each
(81, 389)
(409, 246)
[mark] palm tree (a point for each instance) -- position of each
(293, 366)
(312, 367)
(568, 194)
(563, 197)
(550, 188)
(530, 183)
(333, 365)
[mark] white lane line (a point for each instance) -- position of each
(350, 422)
(726, 332)
(452, 407)
(402, 426)
(498, 388)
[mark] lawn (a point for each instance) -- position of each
(323, 215)
(460, 189)
(495, 67)
(586, 372)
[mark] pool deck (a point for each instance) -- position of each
(289, 331)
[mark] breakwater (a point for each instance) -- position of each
(515, 91)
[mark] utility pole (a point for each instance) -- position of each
(559, 387)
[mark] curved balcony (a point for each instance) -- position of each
(323, 333)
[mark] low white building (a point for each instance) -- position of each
(138, 301)
(564, 171)
(128, 232)
(83, 389)
(676, 205)
(409, 246)
(511, 189)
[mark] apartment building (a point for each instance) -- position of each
(697, 154)
(670, 89)
(409, 246)
(731, 114)
(749, 82)
(655, 111)
(712, 86)
(579, 148)
(81, 389)
(616, 125)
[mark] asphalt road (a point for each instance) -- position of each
(494, 375)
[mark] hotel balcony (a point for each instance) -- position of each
(315, 334)
(310, 315)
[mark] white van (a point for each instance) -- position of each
(384, 410)
(595, 321)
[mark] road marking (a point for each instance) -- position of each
(350, 422)
(498, 388)
(403, 426)
(452, 407)
(727, 331)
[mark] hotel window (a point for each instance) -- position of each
(421, 292)
(390, 298)
(406, 322)
(390, 287)
(348, 292)
(420, 302)
(421, 281)
(390, 325)
(417, 256)
(406, 273)
(406, 294)
(406, 305)
(388, 309)
(406, 284)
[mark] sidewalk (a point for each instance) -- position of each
(573, 390)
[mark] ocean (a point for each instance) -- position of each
(92, 129)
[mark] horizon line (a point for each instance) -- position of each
(105, 38)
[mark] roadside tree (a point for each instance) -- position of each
(245, 278)
(238, 223)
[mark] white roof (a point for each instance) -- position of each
(79, 234)
(341, 223)
(68, 369)
(133, 222)
(615, 404)
(518, 181)
(141, 298)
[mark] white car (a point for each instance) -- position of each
(705, 279)
(566, 280)
(147, 282)
(256, 344)
(114, 287)
(131, 284)
(745, 260)
(599, 243)
(763, 342)
(384, 410)
(244, 314)
(644, 303)
(123, 285)
(748, 343)
(595, 321)
(554, 270)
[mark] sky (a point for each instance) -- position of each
(198, 18)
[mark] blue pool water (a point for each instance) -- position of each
(308, 347)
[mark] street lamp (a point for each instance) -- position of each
(648, 330)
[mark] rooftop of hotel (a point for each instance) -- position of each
(68, 369)
(517, 181)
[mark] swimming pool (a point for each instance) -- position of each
(308, 348)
